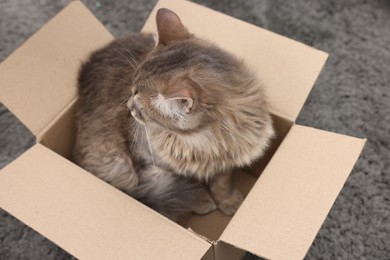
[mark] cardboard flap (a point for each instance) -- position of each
(87, 217)
(39, 79)
(287, 68)
(285, 209)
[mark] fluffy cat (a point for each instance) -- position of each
(194, 112)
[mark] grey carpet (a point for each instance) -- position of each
(350, 97)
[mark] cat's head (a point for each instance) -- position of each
(185, 81)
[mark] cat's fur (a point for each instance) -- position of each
(194, 112)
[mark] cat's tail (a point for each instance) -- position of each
(171, 195)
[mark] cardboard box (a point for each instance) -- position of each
(290, 191)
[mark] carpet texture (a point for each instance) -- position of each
(350, 97)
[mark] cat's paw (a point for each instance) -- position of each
(230, 205)
(204, 205)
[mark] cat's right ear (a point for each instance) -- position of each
(169, 27)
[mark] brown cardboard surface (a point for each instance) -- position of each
(285, 209)
(39, 80)
(60, 135)
(287, 68)
(87, 217)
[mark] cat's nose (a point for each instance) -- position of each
(130, 104)
(134, 104)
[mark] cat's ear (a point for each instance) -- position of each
(169, 27)
(181, 100)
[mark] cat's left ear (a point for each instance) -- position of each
(169, 27)
(181, 99)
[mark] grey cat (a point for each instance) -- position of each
(194, 112)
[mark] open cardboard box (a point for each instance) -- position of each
(289, 192)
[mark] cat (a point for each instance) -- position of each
(166, 121)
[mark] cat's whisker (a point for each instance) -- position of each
(150, 147)
(132, 144)
(134, 124)
(132, 63)
(129, 53)
(142, 141)
(124, 80)
(129, 56)
(136, 130)
(116, 109)
(130, 60)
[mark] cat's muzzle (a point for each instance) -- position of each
(136, 109)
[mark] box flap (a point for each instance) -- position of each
(39, 79)
(285, 209)
(287, 68)
(87, 217)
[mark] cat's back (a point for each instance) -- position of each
(110, 69)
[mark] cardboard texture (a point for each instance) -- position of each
(86, 216)
(294, 185)
(39, 80)
(294, 194)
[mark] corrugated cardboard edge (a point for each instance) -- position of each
(75, 210)
(297, 65)
(210, 254)
(221, 250)
(288, 204)
(38, 83)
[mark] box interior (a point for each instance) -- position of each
(60, 138)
